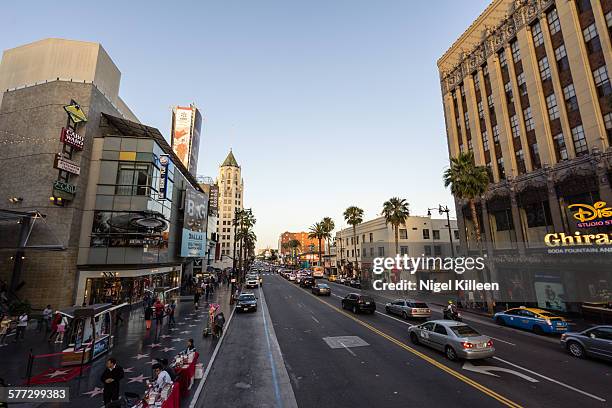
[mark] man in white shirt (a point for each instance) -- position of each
(22, 324)
(162, 377)
(46, 318)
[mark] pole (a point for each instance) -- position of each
(450, 234)
(235, 222)
(29, 367)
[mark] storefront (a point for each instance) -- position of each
(124, 286)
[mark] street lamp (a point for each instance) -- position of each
(444, 209)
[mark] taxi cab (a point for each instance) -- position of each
(537, 320)
(331, 278)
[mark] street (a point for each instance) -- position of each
(376, 365)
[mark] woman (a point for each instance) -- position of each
(5, 323)
(56, 321)
(148, 316)
(61, 329)
(190, 347)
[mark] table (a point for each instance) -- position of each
(185, 375)
(173, 400)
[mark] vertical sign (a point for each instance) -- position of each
(194, 225)
(163, 176)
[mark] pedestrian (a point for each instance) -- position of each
(148, 315)
(171, 309)
(47, 315)
(190, 347)
(159, 312)
(57, 319)
(22, 324)
(206, 292)
(166, 367)
(61, 329)
(196, 299)
(111, 377)
(5, 324)
(162, 378)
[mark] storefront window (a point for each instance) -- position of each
(134, 179)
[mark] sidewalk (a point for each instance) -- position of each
(134, 349)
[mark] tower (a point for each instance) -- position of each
(231, 198)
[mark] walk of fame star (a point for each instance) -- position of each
(139, 356)
(94, 392)
(57, 373)
(139, 379)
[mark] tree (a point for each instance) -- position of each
(329, 226)
(395, 210)
(354, 216)
(244, 221)
(317, 231)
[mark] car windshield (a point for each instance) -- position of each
(420, 305)
(323, 285)
(547, 314)
(367, 299)
(464, 331)
(246, 297)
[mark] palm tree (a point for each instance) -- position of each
(467, 182)
(354, 216)
(329, 226)
(317, 231)
(294, 244)
(395, 210)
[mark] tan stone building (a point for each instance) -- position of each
(526, 88)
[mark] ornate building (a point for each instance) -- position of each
(231, 199)
(526, 89)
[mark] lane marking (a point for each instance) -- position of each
(487, 370)
(348, 349)
(552, 380)
(315, 319)
(503, 341)
(274, 376)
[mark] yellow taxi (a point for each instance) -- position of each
(331, 278)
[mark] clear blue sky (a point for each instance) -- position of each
(326, 103)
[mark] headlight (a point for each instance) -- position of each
(548, 322)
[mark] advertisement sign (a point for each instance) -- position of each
(213, 201)
(596, 215)
(164, 160)
(65, 187)
(550, 293)
(72, 138)
(194, 225)
(75, 112)
(100, 346)
(181, 134)
(66, 165)
(194, 149)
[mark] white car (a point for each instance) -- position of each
(252, 282)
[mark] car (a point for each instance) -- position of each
(529, 318)
(359, 303)
(252, 282)
(457, 340)
(593, 342)
(321, 289)
(332, 278)
(292, 277)
(341, 280)
(355, 283)
(408, 308)
(307, 282)
(317, 272)
(246, 302)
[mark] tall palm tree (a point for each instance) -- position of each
(317, 231)
(395, 210)
(329, 225)
(294, 244)
(354, 216)
(467, 181)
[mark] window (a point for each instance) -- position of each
(437, 250)
(456, 234)
(561, 57)
(560, 146)
(579, 139)
(508, 90)
(490, 101)
(583, 5)
(500, 168)
(466, 119)
(502, 59)
(516, 52)
(372, 251)
(591, 38)
(553, 21)
(609, 19)
(602, 82)
(403, 234)
(381, 251)
(427, 250)
(520, 161)
(476, 79)
(569, 93)
(403, 250)
(608, 122)
(529, 122)
(520, 79)
(371, 237)
(134, 179)
(485, 140)
(357, 239)
(496, 134)
(514, 125)
(425, 234)
(470, 145)
(503, 220)
(363, 238)
(436, 234)
(357, 252)
(538, 36)
(551, 104)
(480, 110)
(544, 69)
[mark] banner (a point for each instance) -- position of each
(194, 225)
(164, 160)
(181, 134)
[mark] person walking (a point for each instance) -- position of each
(111, 377)
(159, 312)
(57, 319)
(61, 329)
(196, 299)
(22, 324)
(170, 311)
(5, 323)
(148, 315)
(46, 316)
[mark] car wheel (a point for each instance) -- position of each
(355, 309)
(450, 353)
(575, 349)
(343, 305)
(414, 338)
(387, 311)
(404, 315)
(538, 330)
(499, 320)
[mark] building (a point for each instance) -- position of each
(212, 190)
(306, 244)
(118, 207)
(231, 199)
(186, 131)
(526, 89)
(419, 236)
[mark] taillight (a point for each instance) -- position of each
(360, 301)
(490, 343)
(563, 336)
(467, 345)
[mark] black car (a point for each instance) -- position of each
(358, 303)
(355, 283)
(247, 302)
(321, 289)
(307, 282)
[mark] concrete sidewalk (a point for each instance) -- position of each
(249, 370)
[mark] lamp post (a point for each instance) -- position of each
(444, 209)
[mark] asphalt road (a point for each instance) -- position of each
(389, 371)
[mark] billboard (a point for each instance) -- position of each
(186, 126)
(193, 244)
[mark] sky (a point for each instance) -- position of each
(325, 103)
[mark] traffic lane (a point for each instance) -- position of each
(595, 384)
(527, 350)
(380, 374)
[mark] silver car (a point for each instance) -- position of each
(595, 342)
(455, 339)
(408, 308)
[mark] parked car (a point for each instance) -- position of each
(307, 282)
(355, 283)
(455, 339)
(537, 320)
(359, 303)
(321, 289)
(408, 308)
(341, 280)
(252, 281)
(292, 277)
(595, 342)
(246, 302)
